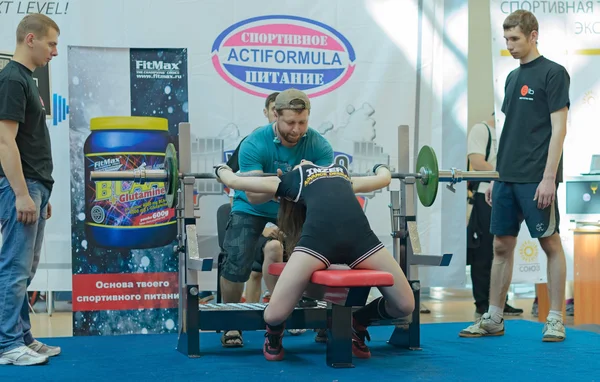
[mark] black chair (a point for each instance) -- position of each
(222, 218)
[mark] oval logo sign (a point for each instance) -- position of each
(265, 54)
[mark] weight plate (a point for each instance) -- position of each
(427, 186)
(172, 169)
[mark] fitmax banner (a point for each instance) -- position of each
(124, 267)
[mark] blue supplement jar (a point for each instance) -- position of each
(124, 214)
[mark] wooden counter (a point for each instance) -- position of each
(586, 275)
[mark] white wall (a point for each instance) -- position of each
(480, 82)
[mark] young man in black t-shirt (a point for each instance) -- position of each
(529, 162)
(25, 187)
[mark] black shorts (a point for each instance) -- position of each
(351, 249)
(513, 202)
(242, 235)
(259, 253)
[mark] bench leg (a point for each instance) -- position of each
(410, 338)
(339, 336)
(220, 260)
(189, 332)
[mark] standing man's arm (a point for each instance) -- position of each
(558, 104)
(559, 132)
(10, 157)
(479, 163)
(476, 146)
(12, 111)
(547, 190)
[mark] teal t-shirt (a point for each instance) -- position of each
(259, 152)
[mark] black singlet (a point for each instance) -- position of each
(336, 229)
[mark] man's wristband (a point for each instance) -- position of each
(217, 168)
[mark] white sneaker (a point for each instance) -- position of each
(266, 296)
(43, 349)
(554, 331)
(296, 332)
(484, 327)
(22, 356)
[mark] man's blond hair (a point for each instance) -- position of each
(522, 19)
(37, 24)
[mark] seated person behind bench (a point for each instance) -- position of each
(325, 224)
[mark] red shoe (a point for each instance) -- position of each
(359, 333)
(273, 348)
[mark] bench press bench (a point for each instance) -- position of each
(342, 289)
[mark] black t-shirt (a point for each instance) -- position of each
(20, 101)
(327, 194)
(233, 161)
(532, 92)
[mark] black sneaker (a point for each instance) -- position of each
(321, 336)
(570, 308)
(510, 311)
(359, 335)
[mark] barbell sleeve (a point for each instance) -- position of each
(480, 175)
(137, 176)
(456, 176)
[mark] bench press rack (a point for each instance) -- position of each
(194, 317)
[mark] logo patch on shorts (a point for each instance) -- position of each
(540, 227)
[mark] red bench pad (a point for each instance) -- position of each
(343, 277)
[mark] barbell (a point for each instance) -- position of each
(427, 177)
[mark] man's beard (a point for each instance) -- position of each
(289, 138)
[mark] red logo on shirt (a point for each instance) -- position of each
(526, 90)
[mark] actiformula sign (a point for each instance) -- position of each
(273, 53)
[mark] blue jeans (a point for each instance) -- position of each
(19, 258)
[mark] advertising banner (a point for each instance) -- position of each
(126, 106)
